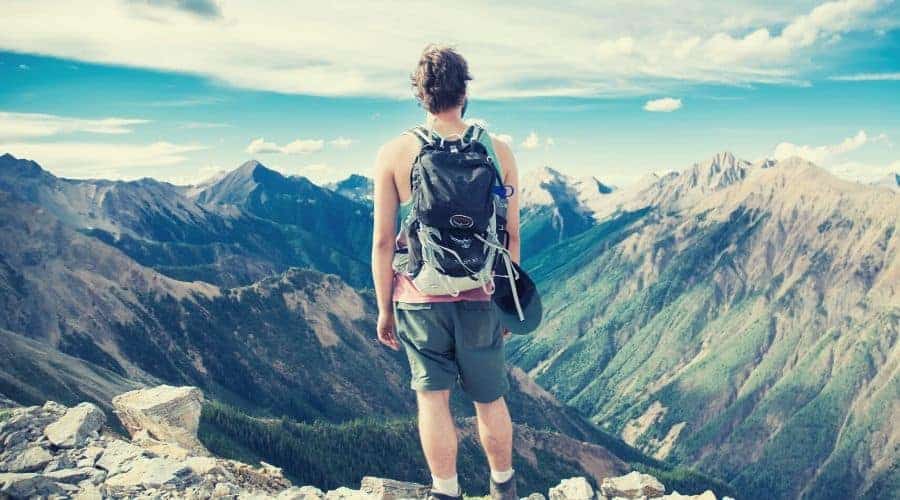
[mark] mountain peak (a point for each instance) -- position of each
(356, 187)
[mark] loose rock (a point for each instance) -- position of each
(572, 489)
(74, 427)
(30, 459)
(168, 414)
(632, 485)
(389, 489)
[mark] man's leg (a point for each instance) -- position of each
(437, 432)
(495, 431)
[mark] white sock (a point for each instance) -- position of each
(501, 477)
(449, 486)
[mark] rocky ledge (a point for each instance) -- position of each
(56, 452)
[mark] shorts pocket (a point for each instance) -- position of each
(479, 326)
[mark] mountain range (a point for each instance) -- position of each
(732, 318)
(740, 318)
(102, 289)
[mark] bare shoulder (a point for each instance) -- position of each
(506, 157)
(397, 151)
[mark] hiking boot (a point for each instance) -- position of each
(505, 490)
(440, 496)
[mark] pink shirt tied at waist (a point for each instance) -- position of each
(405, 291)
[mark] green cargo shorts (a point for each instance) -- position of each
(447, 342)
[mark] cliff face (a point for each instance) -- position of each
(59, 452)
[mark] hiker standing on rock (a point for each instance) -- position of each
(446, 220)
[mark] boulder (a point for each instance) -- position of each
(117, 456)
(30, 459)
(344, 493)
(536, 496)
(706, 495)
(632, 485)
(71, 476)
(151, 473)
(27, 485)
(166, 413)
(301, 493)
(572, 489)
(74, 427)
(389, 489)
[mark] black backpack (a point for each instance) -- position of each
(455, 229)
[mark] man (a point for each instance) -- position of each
(447, 338)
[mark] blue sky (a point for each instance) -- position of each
(181, 89)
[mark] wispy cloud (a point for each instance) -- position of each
(187, 102)
(827, 154)
(101, 160)
(202, 8)
(664, 105)
(534, 141)
(257, 44)
(866, 77)
(341, 142)
(204, 125)
(28, 125)
(300, 146)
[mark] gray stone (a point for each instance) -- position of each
(26, 485)
(152, 473)
(88, 492)
(60, 462)
(224, 490)
(301, 493)
(55, 409)
(15, 438)
(575, 488)
(168, 414)
(344, 493)
(73, 428)
(117, 456)
(632, 485)
(706, 495)
(389, 489)
(28, 460)
(70, 476)
(203, 465)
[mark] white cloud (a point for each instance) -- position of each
(28, 125)
(304, 146)
(866, 77)
(532, 141)
(826, 155)
(664, 105)
(608, 48)
(102, 160)
(300, 146)
(341, 142)
(261, 146)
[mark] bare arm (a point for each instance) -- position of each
(386, 201)
(511, 178)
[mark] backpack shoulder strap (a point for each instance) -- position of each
(420, 133)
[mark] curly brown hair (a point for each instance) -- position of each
(440, 78)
